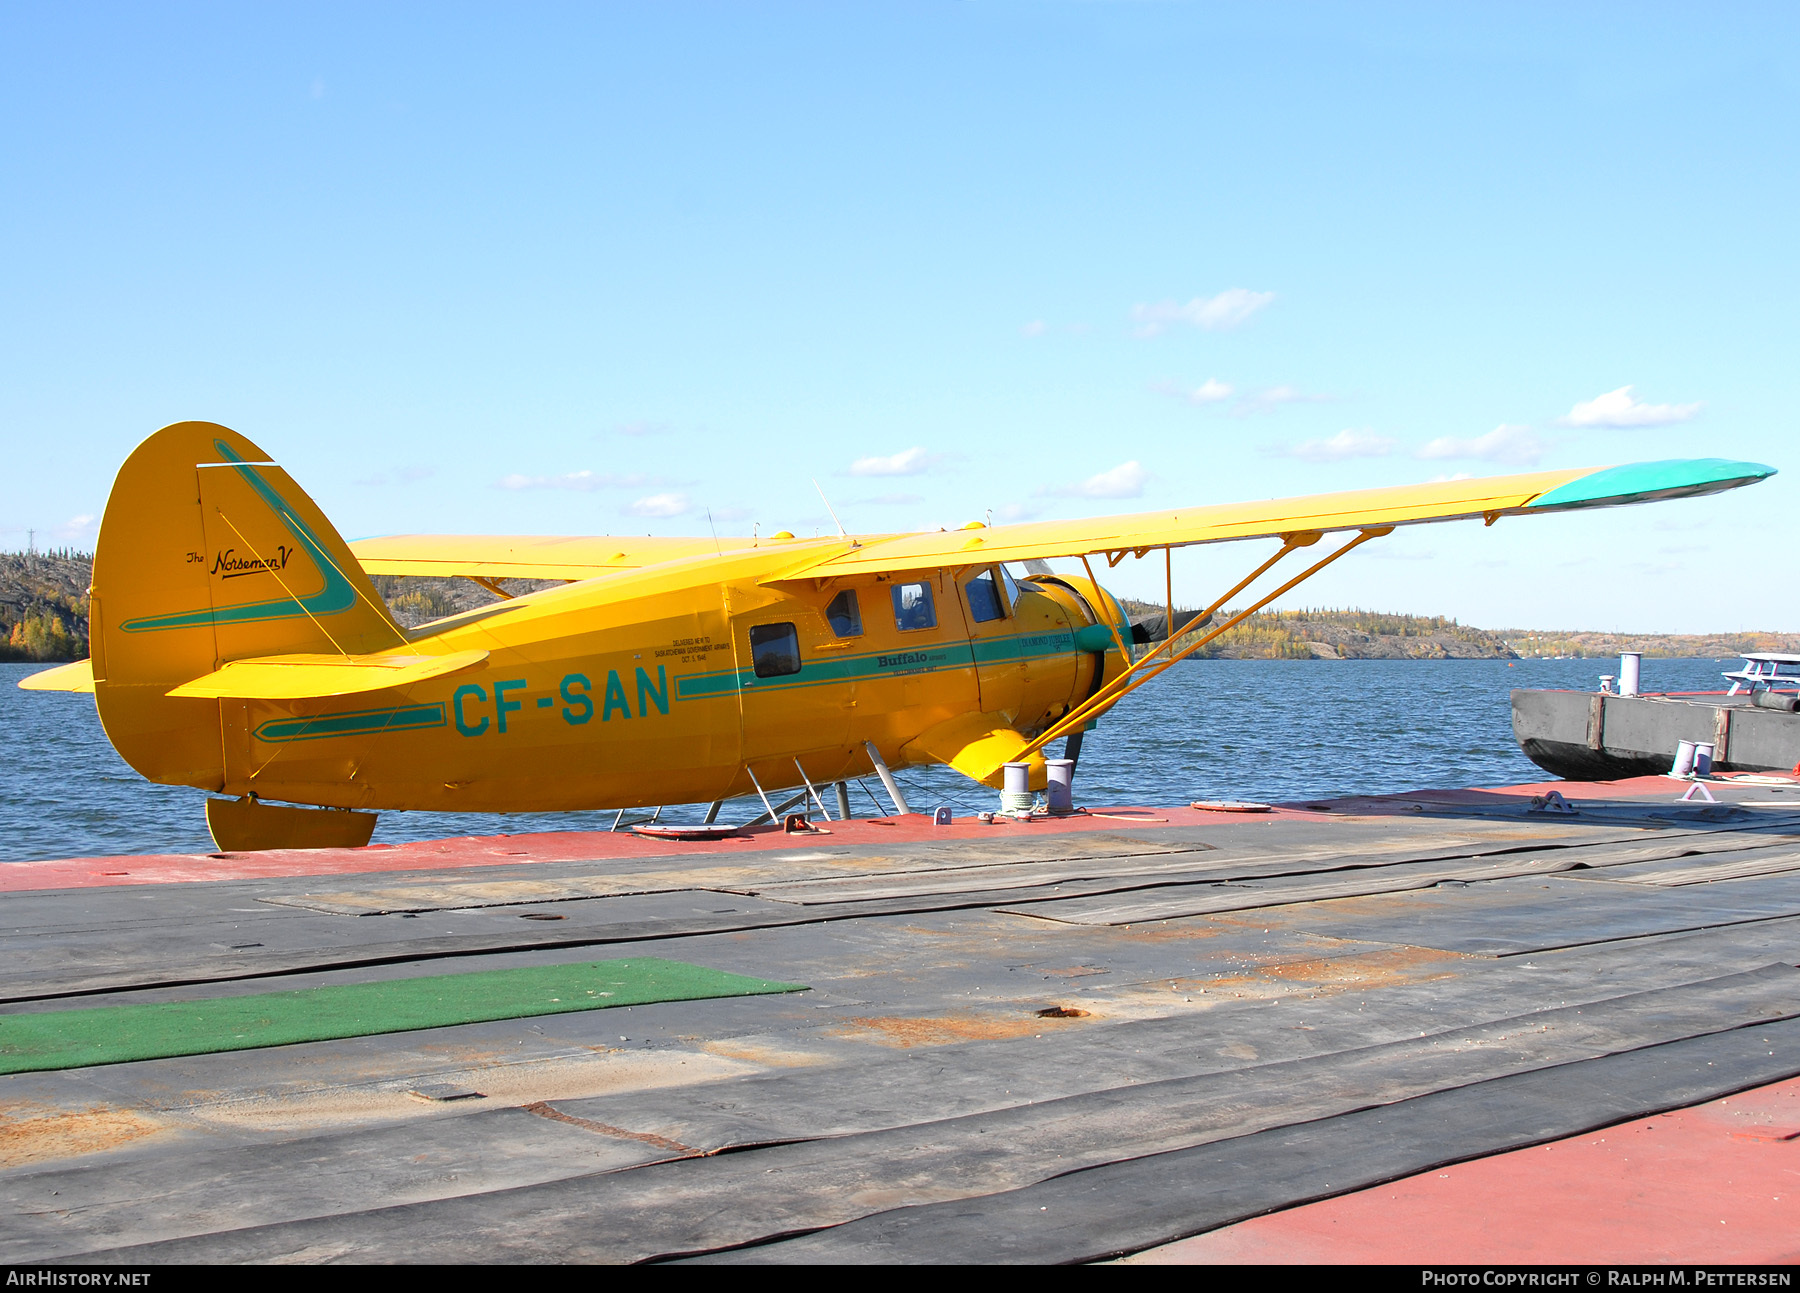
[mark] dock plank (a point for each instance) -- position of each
(699, 1204)
(919, 1078)
(1125, 1207)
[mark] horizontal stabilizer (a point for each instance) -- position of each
(67, 677)
(300, 677)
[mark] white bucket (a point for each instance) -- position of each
(1059, 790)
(1684, 760)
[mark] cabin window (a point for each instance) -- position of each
(985, 598)
(775, 650)
(845, 615)
(913, 607)
(1011, 585)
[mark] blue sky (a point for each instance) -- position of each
(594, 269)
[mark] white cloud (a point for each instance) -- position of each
(1213, 313)
(1127, 480)
(1036, 328)
(1619, 409)
(1517, 445)
(1017, 512)
(585, 481)
(1271, 398)
(660, 505)
(85, 526)
(908, 462)
(1211, 391)
(1345, 444)
(731, 514)
(1214, 391)
(889, 500)
(642, 428)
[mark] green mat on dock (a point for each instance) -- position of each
(65, 1039)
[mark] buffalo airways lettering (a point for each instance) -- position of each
(902, 660)
(228, 565)
(476, 713)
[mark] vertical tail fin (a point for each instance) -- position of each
(209, 552)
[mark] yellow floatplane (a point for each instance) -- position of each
(238, 645)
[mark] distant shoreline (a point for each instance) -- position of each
(1373, 635)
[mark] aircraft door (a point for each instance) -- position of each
(990, 600)
(793, 699)
(915, 667)
(1021, 639)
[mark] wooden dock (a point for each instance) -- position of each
(1061, 1041)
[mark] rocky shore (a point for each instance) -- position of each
(44, 605)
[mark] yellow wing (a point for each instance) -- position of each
(1492, 497)
(583, 557)
(525, 556)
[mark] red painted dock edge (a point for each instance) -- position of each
(1718, 1183)
(516, 850)
(585, 846)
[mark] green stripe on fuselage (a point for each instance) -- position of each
(936, 658)
(900, 662)
(362, 722)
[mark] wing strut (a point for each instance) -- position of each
(1139, 673)
(492, 585)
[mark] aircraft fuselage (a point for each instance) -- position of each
(635, 689)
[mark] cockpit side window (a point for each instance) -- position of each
(985, 598)
(845, 615)
(774, 650)
(913, 607)
(1011, 585)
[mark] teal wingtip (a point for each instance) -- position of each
(1645, 482)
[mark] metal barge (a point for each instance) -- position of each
(1599, 736)
(1055, 1041)
(1593, 736)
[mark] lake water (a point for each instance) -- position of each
(1240, 729)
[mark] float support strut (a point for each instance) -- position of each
(887, 779)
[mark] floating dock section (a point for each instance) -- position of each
(1597, 736)
(1050, 1042)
